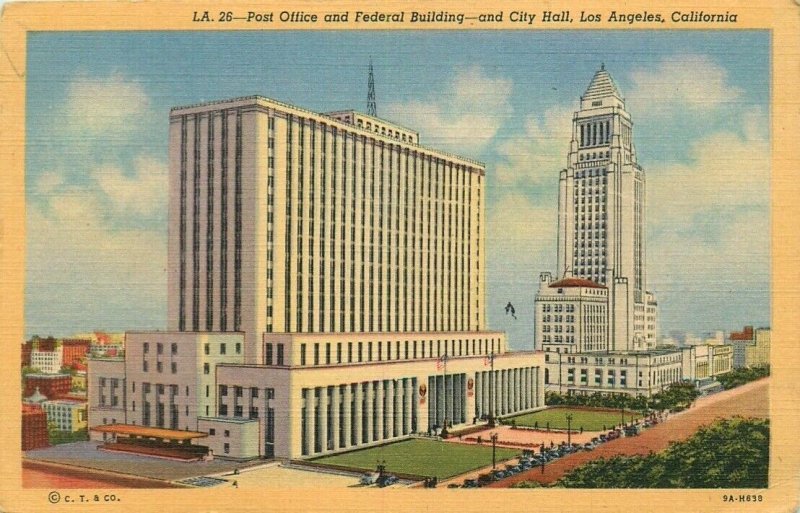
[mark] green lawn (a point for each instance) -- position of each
(421, 457)
(588, 419)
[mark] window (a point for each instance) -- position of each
(206, 368)
(316, 354)
(207, 348)
(174, 367)
(223, 409)
(238, 348)
(160, 348)
(223, 349)
(159, 366)
(223, 390)
(146, 347)
(237, 391)
(302, 354)
(144, 366)
(227, 447)
(280, 354)
(212, 431)
(238, 411)
(254, 392)
(174, 348)
(269, 354)
(227, 433)
(160, 389)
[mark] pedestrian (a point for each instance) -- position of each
(236, 484)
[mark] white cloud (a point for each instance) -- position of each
(472, 109)
(725, 169)
(144, 193)
(105, 106)
(692, 81)
(48, 182)
(82, 272)
(536, 156)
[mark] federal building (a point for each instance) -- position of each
(595, 320)
(326, 291)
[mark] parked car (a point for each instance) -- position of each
(369, 478)
(471, 483)
(487, 478)
(387, 480)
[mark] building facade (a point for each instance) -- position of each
(571, 315)
(34, 427)
(326, 290)
(51, 385)
(601, 214)
(48, 362)
(66, 414)
(750, 347)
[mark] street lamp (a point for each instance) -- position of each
(444, 432)
(494, 450)
(569, 430)
(622, 410)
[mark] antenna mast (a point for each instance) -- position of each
(372, 108)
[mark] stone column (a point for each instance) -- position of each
(323, 418)
(408, 405)
(389, 414)
(379, 413)
(347, 414)
(336, 398)
(369, 410)
(358, 408)
(310, 421)
(399, 407)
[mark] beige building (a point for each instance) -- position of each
(66, 414)
(326, 290)
(750, 347)
(571, 315)
(638, 373)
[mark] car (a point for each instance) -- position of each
(454, 485)
(588, 446)
(369, 478)
(501, 474)
(471, 483)
(387, 480)
(487, 478)
(526, 465)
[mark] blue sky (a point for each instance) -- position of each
(96, 164)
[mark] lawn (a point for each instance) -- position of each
(590, 420)
(421, 457)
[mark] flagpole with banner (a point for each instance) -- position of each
(444, 380)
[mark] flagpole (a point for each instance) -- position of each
(491, 391)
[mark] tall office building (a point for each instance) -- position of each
(601, 213)
(288, 221)
(326, 291)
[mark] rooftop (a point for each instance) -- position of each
(150, 432)
(576, 282)
(602, 86)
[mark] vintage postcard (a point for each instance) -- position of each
(392, 256)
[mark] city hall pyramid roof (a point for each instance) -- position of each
(602, 86)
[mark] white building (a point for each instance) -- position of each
(571, 315)
(326, 290)
(601, 214)
(66, 414)
(48, 362)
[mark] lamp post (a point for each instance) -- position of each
(494, 450)
(622, 410)
(491, 391)
(569, 430)
(444, 380)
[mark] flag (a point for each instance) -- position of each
(440, 362)
(486, 361)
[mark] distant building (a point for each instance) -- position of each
(74, 351)
(571, 315)
(34, 427)
(27, 347)
(48, 362)
(636, 373)
(750, 347)
(66, 414)
(51, 385)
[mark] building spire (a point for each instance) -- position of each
(372, 108)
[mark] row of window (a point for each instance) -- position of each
(354, 352)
